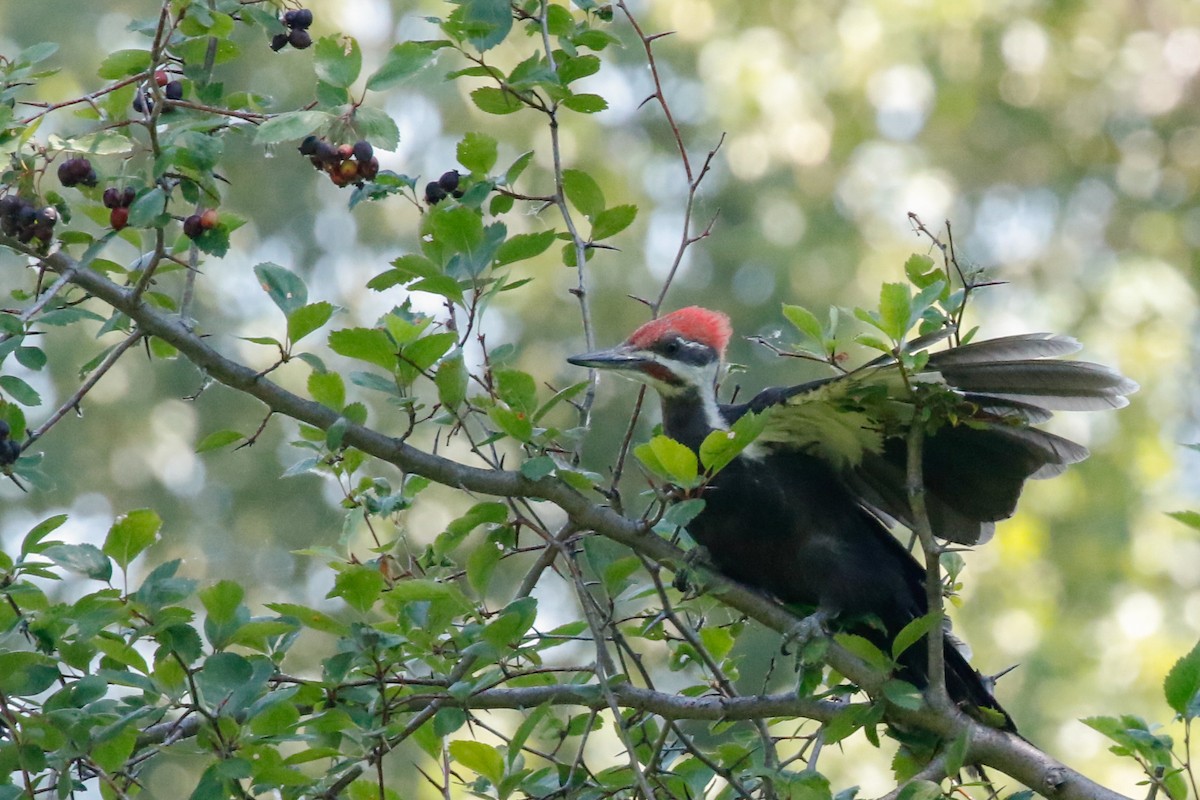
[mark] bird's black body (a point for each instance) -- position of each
(787, 524)
(798, 514)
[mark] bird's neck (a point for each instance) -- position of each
(691, 414)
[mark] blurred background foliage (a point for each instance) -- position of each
(1061, 140)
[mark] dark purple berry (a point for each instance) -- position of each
(434, 193)
(363, 152)
(142, 103)
(4, 429)
(289, 18)
(326, 153)
(10, 451)
(301, 18)
(192, 226)
(174, 90)
(111, 197)
(279, 41)
(368, 170)
(128, 196)
(75, 171)
(308, 146)
(449, 180)
(300, 39)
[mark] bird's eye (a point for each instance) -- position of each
(671, 347)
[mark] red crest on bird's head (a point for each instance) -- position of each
(693, 323)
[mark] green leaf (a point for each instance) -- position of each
(328, 389)
(146, 210)
(585, 103)
(477, 152)
(131, 534)
(402, 62)
(451, 380)
(583, 192)
(377, 127)
(25, 673)
(516, 388)
(612, 221)
(680, 514)
(284, 287)
(479, 757)
(514, 423)
(222, 599)
(1182, 685)
(337, 61)
(903, 694)
(537, 468)
(487, 22)
(721, 447)
(218, 439)
(1189, 518)
(359, 585)
(491, 100)
(895, 308)
(365, 344)
(291, 125)
(32, 543)
(86, 559)
(311, 618)
(669, 459)
(306, 319)
(458, 227)
(19, 390)
(912, 633)
(518, 167)
(124, 63)
(804, 321)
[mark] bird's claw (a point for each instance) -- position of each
(805, 631)
(696, 557)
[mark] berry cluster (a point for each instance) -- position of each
(119, 200)
(443, 187)
(24, 220)
(10, 450)
(343, 163)
(143, 103)
(296, 21)
(197, 224)
(76, 171)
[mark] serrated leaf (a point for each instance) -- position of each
(487, 22)
(903, 694)
(1182, 685)
(32, 543)
(479, 757)
(377, 127)
(492, 100)
(337, 60)
(131, 534)
(218, 439)
(284, 287)
(721, 447)
(306, 319)
(146, 210)
(912, 633)
(669, 459)
(19, 390)
(583, 192)
(365, 344)
(1189, 518)
(895, 308)
(291, 125)
(328, 389)
(451, 380)
(123, 63)
(477, 152)
(86, 559)
(804, 321)
(612, 221)
(585, 103)
(402, 62)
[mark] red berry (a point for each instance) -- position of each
(209, 218)
(344, 151)
(161, 77)
(118, 218)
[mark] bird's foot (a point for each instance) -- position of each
(806, 630)
(687, 579)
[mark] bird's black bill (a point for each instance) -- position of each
(616, 358)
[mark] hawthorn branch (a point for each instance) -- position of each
(1010, 754)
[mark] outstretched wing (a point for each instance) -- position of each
(975, 466)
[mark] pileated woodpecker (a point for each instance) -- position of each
(799, 513)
